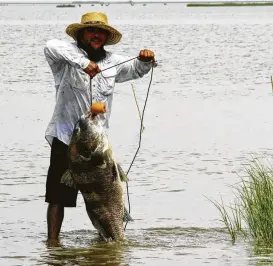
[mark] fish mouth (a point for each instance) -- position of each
(85, 118)
(86, 153)
(85, 149)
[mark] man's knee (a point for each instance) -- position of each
(55, 209)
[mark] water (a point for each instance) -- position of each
(209, 109)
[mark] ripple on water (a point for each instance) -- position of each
(84, 246)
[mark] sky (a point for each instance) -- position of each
(109, 1)
(88, 1)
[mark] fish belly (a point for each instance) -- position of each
(104, 200)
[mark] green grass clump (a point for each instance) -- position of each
(253, 206)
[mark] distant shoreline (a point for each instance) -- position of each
(229, 4)
(72, 3)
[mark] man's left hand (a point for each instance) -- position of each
(146, 56)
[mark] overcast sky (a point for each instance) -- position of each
(109, 1)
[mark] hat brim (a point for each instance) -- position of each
(113, 38)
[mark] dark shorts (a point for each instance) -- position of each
(57, 193)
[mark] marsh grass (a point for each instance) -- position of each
(231, 217)
(253, 205)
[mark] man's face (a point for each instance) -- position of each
(95, 37)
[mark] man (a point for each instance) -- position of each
(79, 81)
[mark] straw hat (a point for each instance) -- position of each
(98, 20)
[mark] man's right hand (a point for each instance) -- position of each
(92, 70)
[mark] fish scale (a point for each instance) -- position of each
(97, 177)
(103, 198)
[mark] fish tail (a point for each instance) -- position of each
(127, 217)
(123, 176)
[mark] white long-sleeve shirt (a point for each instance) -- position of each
(74, 89)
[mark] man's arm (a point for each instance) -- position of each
(136, 68)
(57, 52)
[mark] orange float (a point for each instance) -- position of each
(98, 108)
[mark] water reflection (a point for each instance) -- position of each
(96, 253)
(262, 254)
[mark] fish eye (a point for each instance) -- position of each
(77, 127)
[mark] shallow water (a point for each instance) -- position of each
(208, 112)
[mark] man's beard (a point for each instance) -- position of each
(95, 55)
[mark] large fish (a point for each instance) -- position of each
(94, 171)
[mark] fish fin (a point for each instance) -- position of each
(117, 171)
(67, 179)
(97, 225)
(108, 155)
(127, 217)
(102, 166)
(114, 173)
(123, 176)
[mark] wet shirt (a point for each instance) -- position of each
(74, 87)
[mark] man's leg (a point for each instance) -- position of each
(55, 215)
(58, 196)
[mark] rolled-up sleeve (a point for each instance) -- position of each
(57, 51)
(133, 69)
